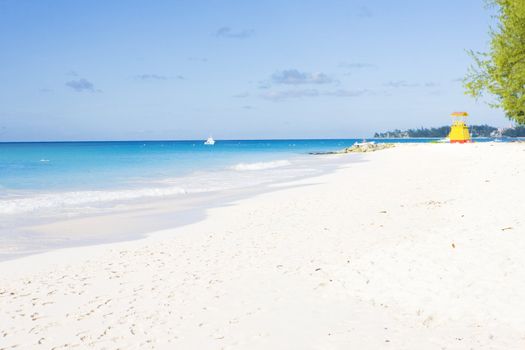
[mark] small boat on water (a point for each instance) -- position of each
(209, 141)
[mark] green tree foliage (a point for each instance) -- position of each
(481, 130)
(475, 131)
(518, 131)
(501, 71)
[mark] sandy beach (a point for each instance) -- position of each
(415, 247)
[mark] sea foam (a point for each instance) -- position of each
(260, 165)
(74, 200)
(80, 198)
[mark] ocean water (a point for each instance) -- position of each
(42, 183)
(37, 175)
(52, 176)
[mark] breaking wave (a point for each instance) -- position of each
(79, 198)
(260, 165)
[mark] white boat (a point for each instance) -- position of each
(209, 141)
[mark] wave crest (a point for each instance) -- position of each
(260, 165)
(79, 198)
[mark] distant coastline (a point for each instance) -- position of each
(475, 130)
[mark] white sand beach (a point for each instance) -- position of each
(418, 247)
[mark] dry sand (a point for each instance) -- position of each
(419, 247)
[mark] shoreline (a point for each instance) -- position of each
(397, 251)
(119, 221)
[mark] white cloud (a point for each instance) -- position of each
(81, 85)
(227, 32)
(296, 77)
(300, 93)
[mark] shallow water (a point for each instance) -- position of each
(37, 177)
(80, 218)
(46, 183)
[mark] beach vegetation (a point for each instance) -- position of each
(500, 72)
(443, 131)
(518, 131)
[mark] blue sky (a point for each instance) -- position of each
(137, 69)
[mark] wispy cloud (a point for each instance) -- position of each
(287, 94)
(264, 85)
(227, 32)
(296, 77)
(396, 84)
(81, 85)
(198, 59)
(301, 93)
(153, 77)
(356, 65)
(400, 84)
(345, 93)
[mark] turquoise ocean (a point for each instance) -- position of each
(36, 176)
(46, 182)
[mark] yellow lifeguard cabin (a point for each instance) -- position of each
(459, 131)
